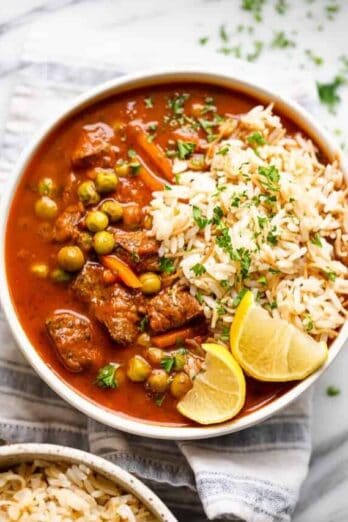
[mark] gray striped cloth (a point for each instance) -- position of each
(254, 475)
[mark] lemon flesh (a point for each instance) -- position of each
(218, 393)
(271, 349)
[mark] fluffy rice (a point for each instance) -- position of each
(294, 248)
(42, 491)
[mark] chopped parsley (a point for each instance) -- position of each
(159, 400)
(200, 221)
(235, 51)
(218, 214)
(328, 92)
(236, 200)
(225, 334)
(281, 6)
(223, 33)
(272, 237)
(135, 167)
(167, 265)
(209, 105)
(185, 148)
(332, 391)
(148, 102)
(144, 323)
(262, 280)
(317, 60)
(255, 8)
(331, 10)
(203, 40)
(256, 139)
(223, 150)
(176, 104)
(239, 297)
(167, 363)
(281, 41)
(253, 56)
(131, 153)
(316, 240)
(308, 323)
(244, 261)
(167, 187)
(224, 283)
(198, 269)
(270, 177)
(331, 276)
(220, 309)
(207, 125)
(262, 221)
(199, 297)
(224, 241)
(106, 377)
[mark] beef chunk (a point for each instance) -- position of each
(136, 242)
(137, 250)
(65, 227)
(94, 147)
(171, 308)
(72, 337)
(115, 306)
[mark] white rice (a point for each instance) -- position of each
(290, 274)
(42, 491)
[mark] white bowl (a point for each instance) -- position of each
(293, 111)
(14, 454)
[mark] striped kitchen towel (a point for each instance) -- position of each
(254, 475)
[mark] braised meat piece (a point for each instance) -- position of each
(137, 249)
(73, 339)
(171, 308)
(115, 306)
(65, 227)
(94, 147)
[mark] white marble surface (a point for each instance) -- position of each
(147, 32)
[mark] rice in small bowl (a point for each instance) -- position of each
(60, 484)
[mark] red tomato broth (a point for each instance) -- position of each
(35, 299)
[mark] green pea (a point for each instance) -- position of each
(40, 270)
(113, 209)
(60, 276)
(70, 258)
(46, 187)
(103, 243)
(46, 208)
(96, 221)
(87, 193)
(105, 181)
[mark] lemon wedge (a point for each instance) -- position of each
(271, 349)
(218, 393)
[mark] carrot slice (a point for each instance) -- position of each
(153, 151)
(118, 267)
(171, 338)
(150, 180)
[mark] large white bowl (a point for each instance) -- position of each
(14, 454)
(293, 111)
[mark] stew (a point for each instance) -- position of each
(93, 293)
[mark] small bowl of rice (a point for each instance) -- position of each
(45, 482)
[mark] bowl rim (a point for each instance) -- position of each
(12, 454)
(215, 76)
